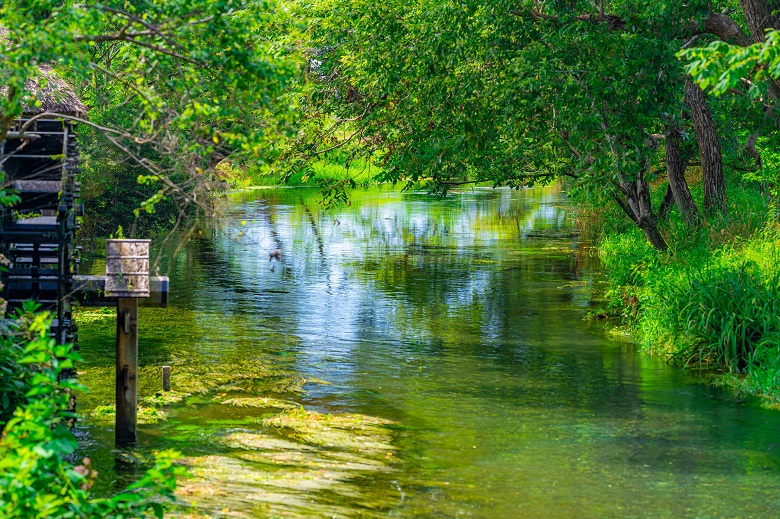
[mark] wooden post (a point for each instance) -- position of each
(126, 370)
(166, 378)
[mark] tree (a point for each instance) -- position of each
(173, 86)
(515, 92)
(746, 66)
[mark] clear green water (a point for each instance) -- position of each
(441, 319)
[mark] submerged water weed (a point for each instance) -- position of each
(249, 377)
(306, 472)
(165, 398)
(146, 415)
(260, 402)
(365, 433)
(285, 482)
(253, 377)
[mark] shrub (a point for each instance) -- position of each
(626, 256)
(36, 478)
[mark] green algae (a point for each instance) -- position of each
(260, 402)
(343, 431)
(146, 415)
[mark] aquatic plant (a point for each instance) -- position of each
(146, 415)
(261, 402)
(367, 433)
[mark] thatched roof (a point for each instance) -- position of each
(54, 95)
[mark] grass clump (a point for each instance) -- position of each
(713, 307)
(94, 314)
(731, 317)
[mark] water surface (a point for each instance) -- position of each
(463, 340)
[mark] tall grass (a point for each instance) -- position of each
(730, 316)
(712, 300)
(358, 172)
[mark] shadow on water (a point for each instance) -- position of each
(408, 357)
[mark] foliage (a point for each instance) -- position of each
(731, 314)
(712, 303)
(626, 256)
(724, 66)
(510, 92)
(36, 477)
(172, 86)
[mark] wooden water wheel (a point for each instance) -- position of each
(39, 160)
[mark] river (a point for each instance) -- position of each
(443, 367)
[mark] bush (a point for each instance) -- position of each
(36, 478)
(626, 257)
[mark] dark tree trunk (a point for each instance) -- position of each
(676, 163)
(666, 205)
(647, 220)
(709, 148)
(750, 147)
(759, 17)
(638, 206)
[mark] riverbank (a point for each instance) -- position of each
(359, 172)
(712, 301)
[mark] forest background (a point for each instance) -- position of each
(659, 117)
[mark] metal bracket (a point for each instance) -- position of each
(127, 322)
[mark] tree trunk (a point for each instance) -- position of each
(709, 148)
(647, 221)
(638, 206)
(666, 205)
(759, 17)
(675, 171)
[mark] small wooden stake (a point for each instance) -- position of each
(126, 370)
(166, 378)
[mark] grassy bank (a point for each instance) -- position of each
(358, 173)
(712, 301)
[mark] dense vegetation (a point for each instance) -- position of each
(607, 96)
(640, 108)
(39, 476)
